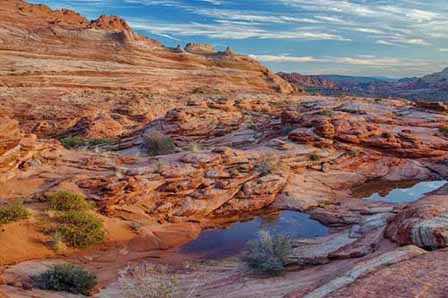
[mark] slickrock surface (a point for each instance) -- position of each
(424, 223)
(422, 276)
(363, 268)
(243, 145)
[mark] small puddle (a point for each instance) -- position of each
(396, 191)
(219, 243)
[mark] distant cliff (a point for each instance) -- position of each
(429, 87)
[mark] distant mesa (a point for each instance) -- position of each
(432, 87)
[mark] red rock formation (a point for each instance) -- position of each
(112, 23)
(423, 223)
(300, 80)
(64, 51)
(15, 147)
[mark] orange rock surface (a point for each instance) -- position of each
(241, 141)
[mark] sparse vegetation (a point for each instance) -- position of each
(135, 226)
(387, 135)
(194, 148)
(158, 143)
(444, 130)
(207, 90)
(148, 281)
(314, 157)
(75, 142)
(287, 128)
(252, 126)
(80, 229)
(327, 113)
(67, 278)
(65, 201)
(268, 165)
(13, 212)
(160, 165)
(268, 254)
(57, 242)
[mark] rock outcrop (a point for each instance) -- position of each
(112, 23)
(15, 148)
(59, 48)
(365, 124)
(198, 48)
(424, 223)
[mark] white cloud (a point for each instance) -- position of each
(364, 60)
(417, 41)
(284, 58)
(230, 30)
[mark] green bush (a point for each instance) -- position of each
(268, 254)
(67, 278)
(252, 126)
(314, 157)
(444, 130)
(268, 165)
(64, 201)
(327, 113)
(75, 142)
(387, 135)
(13, 212)
(80, 229)
(287, 128)
(158, 143)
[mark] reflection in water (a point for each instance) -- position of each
(231, 240)
(396, 192)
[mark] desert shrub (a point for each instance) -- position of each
(74, 142)
(67, 278)
(57, 242)
(268, 165)
(314, 157)
(327, 113)
(194, 148)
(64, 201)
(387, 135)
(207, 90)
(444, 130)
(158, 143)
(287, 128)
(252, 126)
(13, 212)
(148, 281)
(136, 226)
(267, 254)
(80, 229)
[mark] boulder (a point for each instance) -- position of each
(423, 223)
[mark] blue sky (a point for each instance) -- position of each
(393, 38)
